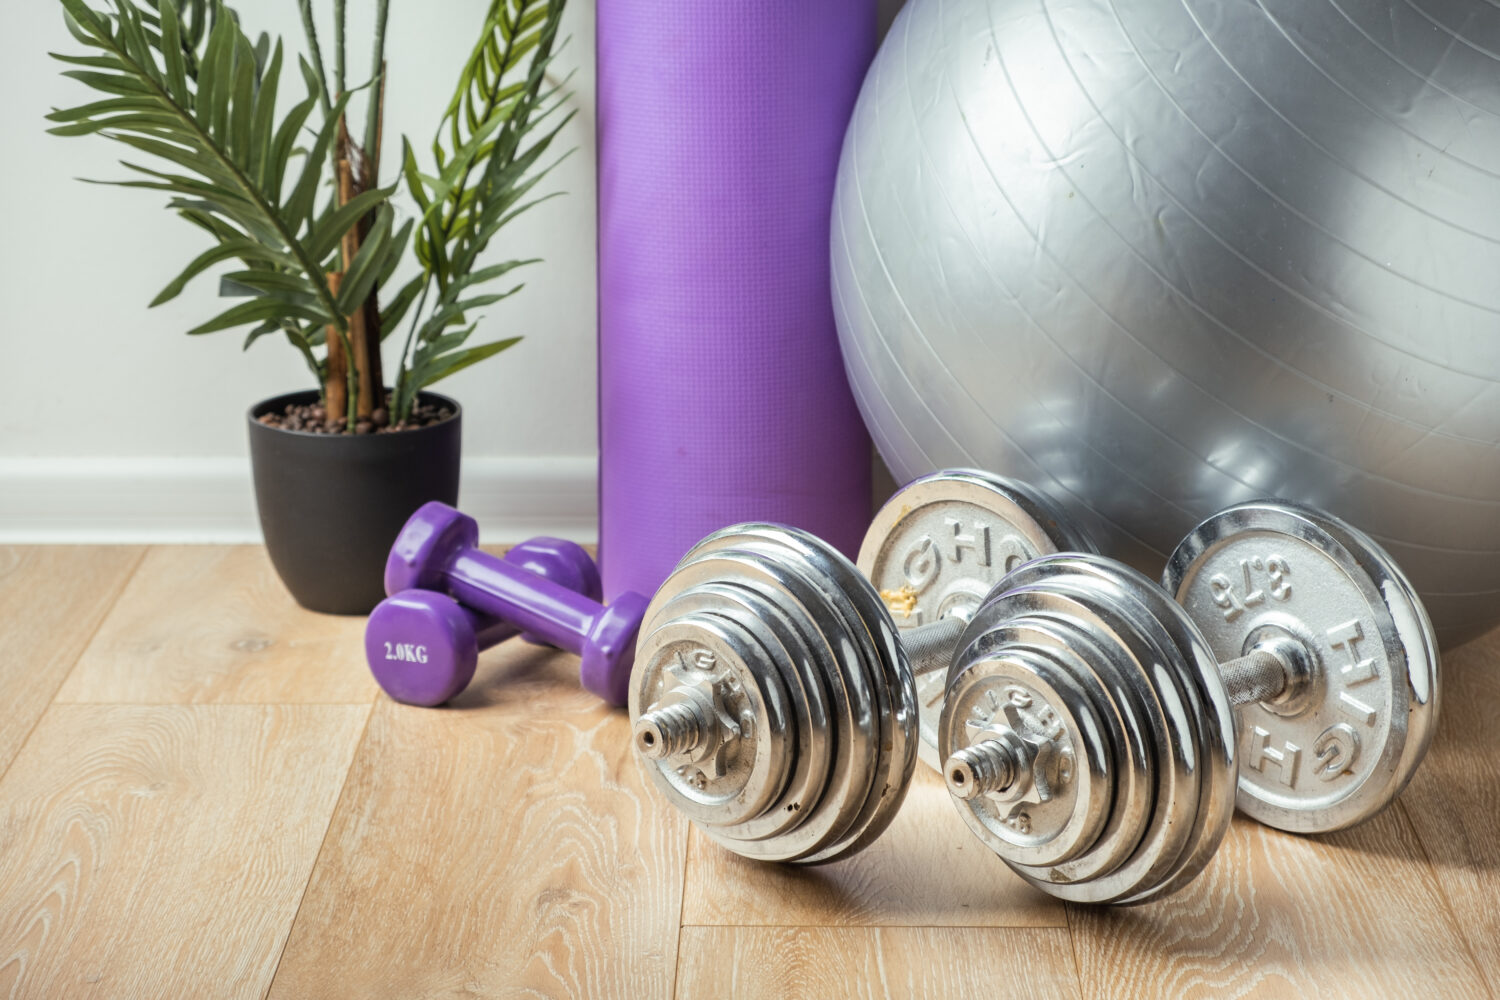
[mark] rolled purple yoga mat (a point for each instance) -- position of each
(722, 397)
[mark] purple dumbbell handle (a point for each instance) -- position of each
(490, 631)
(603, 636)
(521, 599)
(554, 559)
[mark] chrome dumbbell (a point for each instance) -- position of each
(772, 697)
(1098, 734)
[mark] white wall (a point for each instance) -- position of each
(115, 425)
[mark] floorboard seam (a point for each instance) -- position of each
(322, 845)
(1073, 947)
(687, 848)
(52, 701)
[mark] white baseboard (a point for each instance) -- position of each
(200, 500)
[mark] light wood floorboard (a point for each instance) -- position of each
(52, 599)
(208, 796)
(890, 963)
(505, 847)
(1351, 914)
(1454, 799)
(213, 624)
(161, 851)
(926, 870)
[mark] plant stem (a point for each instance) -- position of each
(365, 356)
(402, 408)
(374, 122)
(372, 380)
(340, 50)
(336, 394)
(315, 51)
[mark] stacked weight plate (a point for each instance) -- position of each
(1114, 690)
(814, 721)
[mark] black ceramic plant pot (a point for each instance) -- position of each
(331, 504)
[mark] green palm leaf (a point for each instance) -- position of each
(189, 88)
(494, 133)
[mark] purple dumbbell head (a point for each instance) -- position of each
(609, 653)
(422, 646)
(561, 561)
(428, 542)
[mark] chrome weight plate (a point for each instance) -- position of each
(716, 662)
(1185, 651)
(1116, 626)
(1342, 746)
(872, 632)
(838, 811)
(809, 717)
(941, 542)
(1138, 725)
(849, 741)
(855, 739)
(819, 627)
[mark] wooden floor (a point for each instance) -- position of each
(203, 794)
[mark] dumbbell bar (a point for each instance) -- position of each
(773, 696)
(1090, 727)
(422, 646)
(438, 550)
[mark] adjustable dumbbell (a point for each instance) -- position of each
(422, 646)
(1098, 733)
(438, 549)
(774, 700)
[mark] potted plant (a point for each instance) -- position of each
(293, 205)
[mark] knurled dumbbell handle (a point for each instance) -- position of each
(522, 599)
(930, 647)
(1259, 675)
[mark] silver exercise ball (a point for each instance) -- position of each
(1161, 256)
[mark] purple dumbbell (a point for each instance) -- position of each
(422, 646)
(438, 549)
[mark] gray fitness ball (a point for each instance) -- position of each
(1162, 256)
